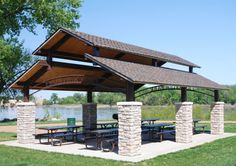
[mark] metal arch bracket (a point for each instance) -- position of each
(148, 90)
(62, 80)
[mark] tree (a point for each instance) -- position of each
(51, 14)
(24, 14)
(54, 98)
(13, 60)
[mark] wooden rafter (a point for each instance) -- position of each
(119, 55)
(36, 76)
(60, 42)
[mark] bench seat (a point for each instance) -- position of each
(161, 133)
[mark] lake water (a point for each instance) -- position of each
(103, 113)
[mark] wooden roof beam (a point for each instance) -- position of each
(36, 76)
(64, 55)
(60, 42)
(119, 55)
(157, 63)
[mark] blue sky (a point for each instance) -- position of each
(202, 31)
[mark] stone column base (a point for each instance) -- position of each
(25, 122)
(129, 115)
(90, 116)
(217, 118)
(184, 122)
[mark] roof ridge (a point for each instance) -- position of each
(161, 54)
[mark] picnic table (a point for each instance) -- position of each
(161, 126)
(196, 126)
(105, 125)
(52, 131)
(195, 122)
(158, 129)
(101, 134)
(149, 120)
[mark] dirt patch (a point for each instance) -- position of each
(13, 128)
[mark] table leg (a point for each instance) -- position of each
(51, 135)
(48, 136)
(75, 137)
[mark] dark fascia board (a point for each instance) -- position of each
(90, 57)
(18, 78)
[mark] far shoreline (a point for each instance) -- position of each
(77, 106)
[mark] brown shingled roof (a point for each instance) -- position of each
(100, 42)
(129, 48)
(144, 74)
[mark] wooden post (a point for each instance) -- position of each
(183, 94)
(49, 57)
(96, 51)
(190, 69)
(216, 95)
(89, 96)
(154, 62)
(130, 92)
(26, 93)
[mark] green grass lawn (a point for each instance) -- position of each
(5, 136)
(219, 153)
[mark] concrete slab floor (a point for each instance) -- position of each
(149, 150)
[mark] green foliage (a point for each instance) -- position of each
(109, 98)
(162, 112)
(47, 102)
(13, 61)
(21, 14)
(173, 96)
(51, 14)
(68, 100)
(54, 98)
(229, 96)
(201, 112)
(152, 99)
(7, 136)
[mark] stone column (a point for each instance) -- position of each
(25, 122)
(90, 116)
(184, 122)
(217, 118)
(129, 141)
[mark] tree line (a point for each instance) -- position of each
(156, 98)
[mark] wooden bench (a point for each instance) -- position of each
(161, 133)
(199, 127)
